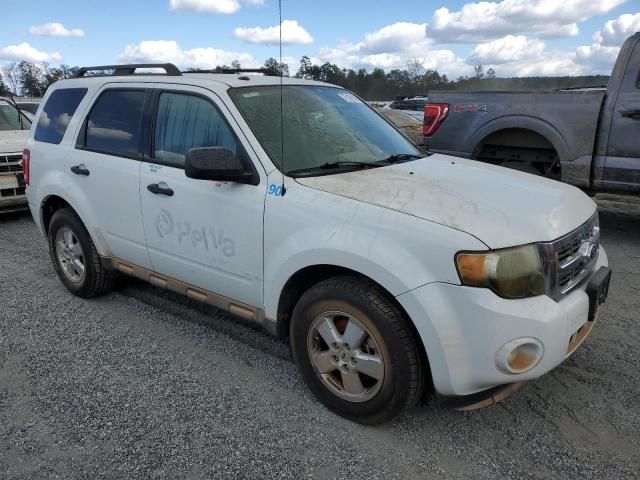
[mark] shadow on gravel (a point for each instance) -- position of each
(198, 313)
(15, 216)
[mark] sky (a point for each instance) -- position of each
(515, 37)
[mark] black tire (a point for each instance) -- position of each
(95, 280)
(402, 384)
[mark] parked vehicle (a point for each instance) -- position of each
(585, 137)
(394, 274)
(14, 130)
(406, 123)
(28, 105)
(413, 106)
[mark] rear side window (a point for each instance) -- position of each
(57, 113)
(184, 122)
(113, 125)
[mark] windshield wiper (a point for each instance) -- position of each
(329, 165)
(400, 157)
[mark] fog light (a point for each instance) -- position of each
(520, 355)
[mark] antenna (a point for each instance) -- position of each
(281, 101)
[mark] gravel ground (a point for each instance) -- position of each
(144, 384)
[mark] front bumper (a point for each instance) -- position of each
(12, 197)
(463, 328)
(13, 203)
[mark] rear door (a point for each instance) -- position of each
(204, 233)
(105, 168)
(622, 168)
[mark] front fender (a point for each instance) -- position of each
(398, 251)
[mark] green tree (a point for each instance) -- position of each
(276, 68)
(491, 73)
(31, 79)
(478, 71)
(305, 68)
(3, 88)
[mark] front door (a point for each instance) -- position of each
(622, 168)
(105, 167)
(204, 233)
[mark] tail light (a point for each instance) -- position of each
(26, 157)
(434, 115)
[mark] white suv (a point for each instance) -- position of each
(394, 273)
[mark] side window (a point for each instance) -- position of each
(57, 113)
(113, 125)
(186, 121)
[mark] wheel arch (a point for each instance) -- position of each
(525, 125)
(306, 277)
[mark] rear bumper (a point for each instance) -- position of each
(464, 330)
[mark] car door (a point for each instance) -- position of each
(622, 167)
(204, 233)
(105, 168)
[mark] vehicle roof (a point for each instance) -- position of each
(220, 80)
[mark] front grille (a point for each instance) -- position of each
(9, 163)
(12, 192)
(574, 256)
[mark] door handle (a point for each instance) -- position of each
(160, 189)
(80, 170)
(635, 114)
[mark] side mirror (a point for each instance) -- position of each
(216, 163)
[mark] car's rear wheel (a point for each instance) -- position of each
(356, 350)
(75, 257)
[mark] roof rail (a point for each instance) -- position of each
(129, 69)
(266, 71)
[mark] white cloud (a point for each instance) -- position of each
(55, 29)
(396, 37)
(616, 31)
(211, 6)
(292, 33)
(151, 51)
(391, 47)
(598, 58)
(507, 49)
(477, 22)
(520, 56)
(26, 52)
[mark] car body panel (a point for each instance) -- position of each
(491, 203)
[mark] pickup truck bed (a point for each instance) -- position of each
(586, 137)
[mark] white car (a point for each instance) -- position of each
(394, 273)
(14, 131)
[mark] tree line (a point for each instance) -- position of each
(29, 79)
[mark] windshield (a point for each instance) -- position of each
(322, 125)
(10, 118)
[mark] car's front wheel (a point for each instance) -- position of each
(356, 350)
(75, 257)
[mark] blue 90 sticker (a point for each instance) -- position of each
(275, 190)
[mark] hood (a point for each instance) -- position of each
(499, 206)
(13, 141)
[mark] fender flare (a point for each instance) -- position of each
(523, 122)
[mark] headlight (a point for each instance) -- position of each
(511, 272)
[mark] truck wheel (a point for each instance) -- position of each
(75, 257)
(356, 351)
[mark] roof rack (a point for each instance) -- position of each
(130, 69)
(266, 71)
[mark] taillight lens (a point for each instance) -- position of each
(434, 115)
(26, 157)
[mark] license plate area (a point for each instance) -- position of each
(598, 290)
